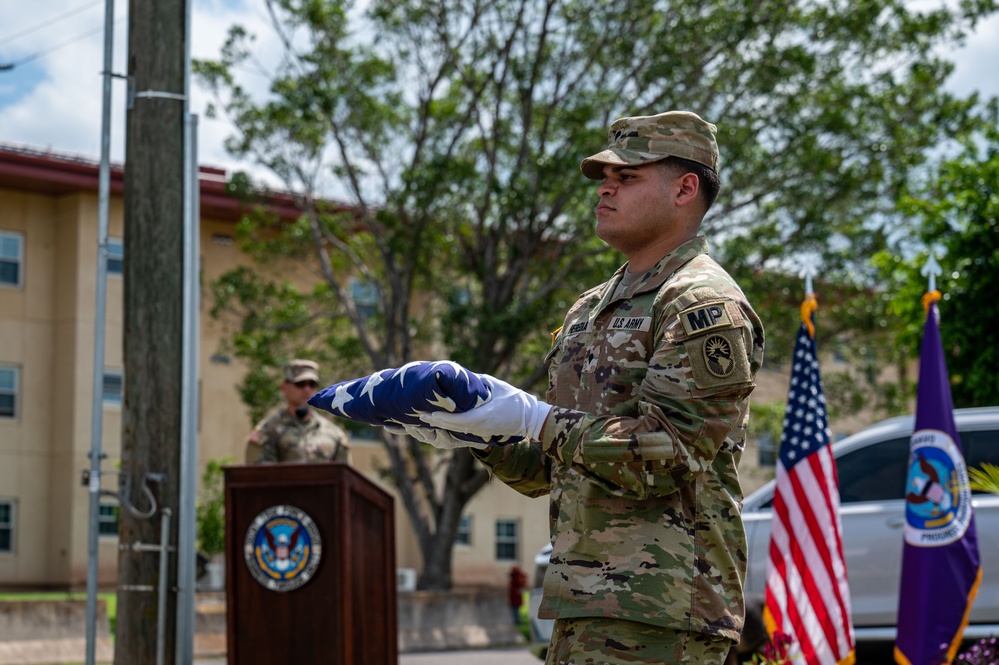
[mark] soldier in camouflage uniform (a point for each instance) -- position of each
(294, 432)
(639, 439)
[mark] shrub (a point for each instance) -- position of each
(210, 510)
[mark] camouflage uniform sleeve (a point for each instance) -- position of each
(687, 411)
(261, 443)
(523, 466)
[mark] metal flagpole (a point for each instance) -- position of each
(96, 426)
(186, 527)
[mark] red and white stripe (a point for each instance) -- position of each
(808, 597)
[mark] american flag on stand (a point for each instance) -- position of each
(807, 596)
(397, 397)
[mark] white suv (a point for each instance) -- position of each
(872, 467)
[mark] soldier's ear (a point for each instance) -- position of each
(687, 187)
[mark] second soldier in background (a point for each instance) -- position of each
(294, 432)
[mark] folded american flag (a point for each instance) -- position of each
(397, 397)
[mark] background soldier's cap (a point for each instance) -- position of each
(301, 370)
(651, 138)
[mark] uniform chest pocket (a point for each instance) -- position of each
(571, 371)
(622, 362)
(576, 354)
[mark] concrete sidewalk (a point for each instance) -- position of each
(514, 656)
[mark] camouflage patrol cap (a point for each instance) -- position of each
(301, 370)
(651, 138)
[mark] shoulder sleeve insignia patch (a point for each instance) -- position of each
(702, 318)
(718, 356)
(719, 359)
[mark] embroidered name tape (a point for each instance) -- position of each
(640, 323)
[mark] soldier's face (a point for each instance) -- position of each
(635, 209)
(299, 392)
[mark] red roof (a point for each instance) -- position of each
(34, 170)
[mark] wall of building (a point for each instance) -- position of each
(27, 330)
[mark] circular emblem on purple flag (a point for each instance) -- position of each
(937, 496)
(282, 548)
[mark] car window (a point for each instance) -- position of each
(878, 472)
(980, 447)
(874, 473)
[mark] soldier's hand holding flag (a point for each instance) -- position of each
(510, 411)
(437, 438)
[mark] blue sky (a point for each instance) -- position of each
(51, 99)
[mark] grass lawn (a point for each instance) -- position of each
(110, 599)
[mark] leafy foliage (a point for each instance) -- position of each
(210, 508)
(985, 479)
(453, 132)
(957, 208)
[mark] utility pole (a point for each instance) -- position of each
(153, 334)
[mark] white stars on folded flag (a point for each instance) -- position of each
(396, 397)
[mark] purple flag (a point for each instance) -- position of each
(941, 568)
(397, 397)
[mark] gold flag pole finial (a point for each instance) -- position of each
(930, 270)
(810, 303)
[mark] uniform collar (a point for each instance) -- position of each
(655, 276)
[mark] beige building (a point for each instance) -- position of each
(48, 254)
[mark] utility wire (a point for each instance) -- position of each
(28, 58)
(47, 23)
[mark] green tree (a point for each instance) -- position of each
(956, 207)
(853, 323)
(453, 131)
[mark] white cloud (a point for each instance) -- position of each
(976, 61)
(210, 27)
(54, 101)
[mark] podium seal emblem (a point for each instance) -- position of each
(282, 548)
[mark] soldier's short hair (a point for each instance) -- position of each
(710, 183)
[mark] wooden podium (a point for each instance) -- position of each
(310, 566)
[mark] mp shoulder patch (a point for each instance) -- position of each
(700, 319)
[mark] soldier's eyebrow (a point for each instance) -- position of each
(625, 167)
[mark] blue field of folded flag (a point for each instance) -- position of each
(397, 397)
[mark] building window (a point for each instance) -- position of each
(107, 519)
(116, 256)
(507, 540)
(6, 525)
(112, 387)
(365, 295)
(11, 258)
(464, 536)
(8, 392)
